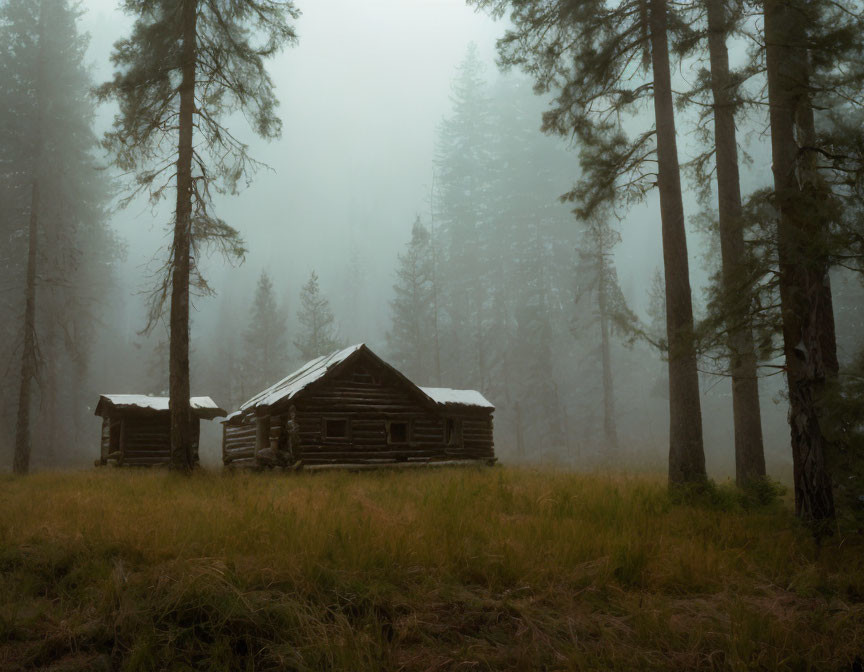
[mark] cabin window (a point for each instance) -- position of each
(335, 428)
(452, 431)
(397, 432)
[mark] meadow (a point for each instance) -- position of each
(452, 569)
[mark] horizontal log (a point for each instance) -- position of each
(242, 441)
(238, 449)
(240, 432)
(395, 465)
(381, 454)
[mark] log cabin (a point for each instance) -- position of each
(352, 409)
(136, 429)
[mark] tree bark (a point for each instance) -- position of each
(686, 452)
(29, 361)
(820, 206)
(21, 463)
(609, 428)
(746, 412)
(803, 271)
(179, 387)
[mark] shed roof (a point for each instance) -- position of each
(203, 407)
(447, 396)
(290, 386)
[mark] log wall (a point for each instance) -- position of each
(369, 401)
(238, 442)
(144, 439)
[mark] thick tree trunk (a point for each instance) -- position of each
(686, 452)
(21, 463)
(609, 428)
(820, 207)
(179, 387)
(29, 356)
(749, 450)
(803, 273)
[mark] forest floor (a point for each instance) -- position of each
(456, 569)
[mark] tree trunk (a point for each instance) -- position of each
(21, 464)
(179, 387)
(686, 453)
(819, 199)
(749, 449)
(609, 428)
(802, 270)
(29, 355)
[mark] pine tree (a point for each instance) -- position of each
(810, 360)
(186, 66)
(51, 216)
(317, 335)
(411, 335)
(588, 53)
(749, 450)
(600, 303)
(464, 168)
(265, 343)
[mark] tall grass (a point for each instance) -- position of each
(433, 570)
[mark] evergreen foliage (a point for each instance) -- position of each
(232, 40)
(502, 247)
(605, 62)
(52, 210)
(411, 336)
(265, 342)
(601, 305)
(317, 331)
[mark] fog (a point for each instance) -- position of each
(363, 95)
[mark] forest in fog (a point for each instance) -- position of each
(469, 189)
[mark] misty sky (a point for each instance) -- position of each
(361, 95)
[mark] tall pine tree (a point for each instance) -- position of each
(58, 251)
(591, 54)
(187, 65)
(464, 168)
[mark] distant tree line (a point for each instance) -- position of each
(57, 253)
(497, 288)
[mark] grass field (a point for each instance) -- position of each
(467, 569)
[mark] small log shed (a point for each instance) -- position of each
(136, 429)
(352, 409)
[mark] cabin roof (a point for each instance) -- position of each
(290, 386)
(447, 397)
(203, 407)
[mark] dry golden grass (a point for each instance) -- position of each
(452, 569)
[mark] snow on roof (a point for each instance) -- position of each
(142, 401)
(444, 395)
(298, 381)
